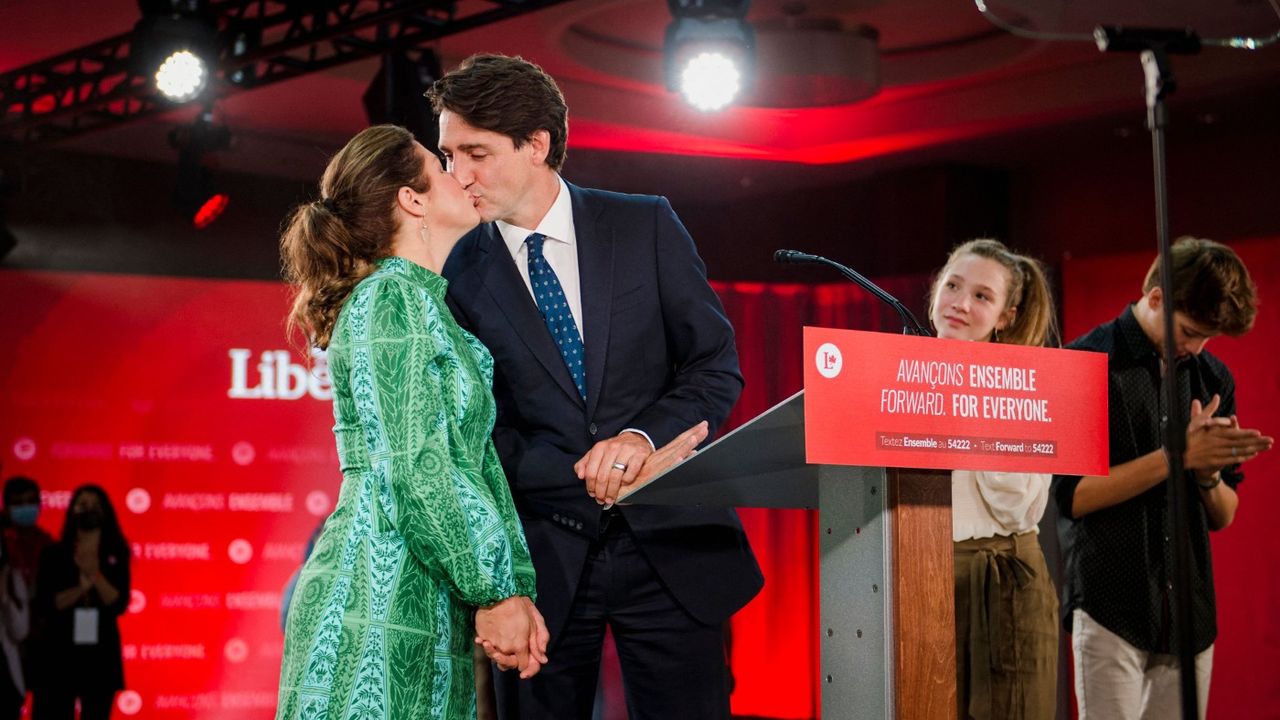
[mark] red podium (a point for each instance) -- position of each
(887, 623)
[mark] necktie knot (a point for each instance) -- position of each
(534, 242)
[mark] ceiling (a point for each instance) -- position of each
(951, 84)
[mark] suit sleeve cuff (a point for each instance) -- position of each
(642, 434)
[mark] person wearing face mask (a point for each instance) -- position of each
(15, 620)
(24, 541)
(23, 538)
(1006, 609)
(82, 589)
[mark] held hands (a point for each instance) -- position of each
(513, 635)
(1216, 442)
(627, 458)
(86, 559)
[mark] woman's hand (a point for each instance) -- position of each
(513, 635)
(86, 559)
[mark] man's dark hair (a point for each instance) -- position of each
(507, 95)
(1210, 285)
(17, 485)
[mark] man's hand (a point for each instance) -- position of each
(1216, 442)
(513, 635)
(612, 463)
(673, 452)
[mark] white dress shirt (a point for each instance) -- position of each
(986, 504)
(560, 250)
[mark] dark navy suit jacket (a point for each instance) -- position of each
(660, 357)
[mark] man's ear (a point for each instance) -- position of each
(540, 144)
(1155, 298)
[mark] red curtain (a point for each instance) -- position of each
(775, 654)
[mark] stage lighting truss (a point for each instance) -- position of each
(709, 52)
(259, 42)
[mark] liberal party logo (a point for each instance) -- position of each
(829, 360)
(277, 376)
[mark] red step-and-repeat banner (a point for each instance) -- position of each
(183, 399)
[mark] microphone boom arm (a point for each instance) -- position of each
(910, 325)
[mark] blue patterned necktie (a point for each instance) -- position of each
(555, 311)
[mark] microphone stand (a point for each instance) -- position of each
(1155, 46)
(910, 326)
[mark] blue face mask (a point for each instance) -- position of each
(24, 515)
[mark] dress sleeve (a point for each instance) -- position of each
(454, 518)
(120, 575)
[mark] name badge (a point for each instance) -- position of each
(85, 631)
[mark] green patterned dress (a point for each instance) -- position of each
(424, 530)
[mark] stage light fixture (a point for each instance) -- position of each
(195, 193)
(176, 45)
(395, 95)
(182, 76)
(709, 51)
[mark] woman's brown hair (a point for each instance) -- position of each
(1033, 321)
(329, 245)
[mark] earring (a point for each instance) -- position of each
(995, 335)
(422, 229)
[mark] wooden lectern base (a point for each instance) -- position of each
(924, 587)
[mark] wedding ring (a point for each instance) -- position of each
(1233, 454)
(623, 467)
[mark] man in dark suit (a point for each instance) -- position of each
(610, 351)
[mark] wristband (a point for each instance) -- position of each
(1217, 480)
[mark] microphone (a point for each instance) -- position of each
(910, 326)
(796, 257)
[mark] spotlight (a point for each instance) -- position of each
(195, 194)
(182, 76)
(176, 44)
(709, 51)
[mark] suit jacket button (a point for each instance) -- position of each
(593, 429)
(579, 525)
(556, 517)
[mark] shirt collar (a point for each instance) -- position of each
(1133, 338)
(556, 225)
(1137, 345)
(416, 274)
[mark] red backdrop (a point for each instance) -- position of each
(124, 381)
(1245, 681)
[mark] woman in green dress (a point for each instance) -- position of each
(423, 555)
